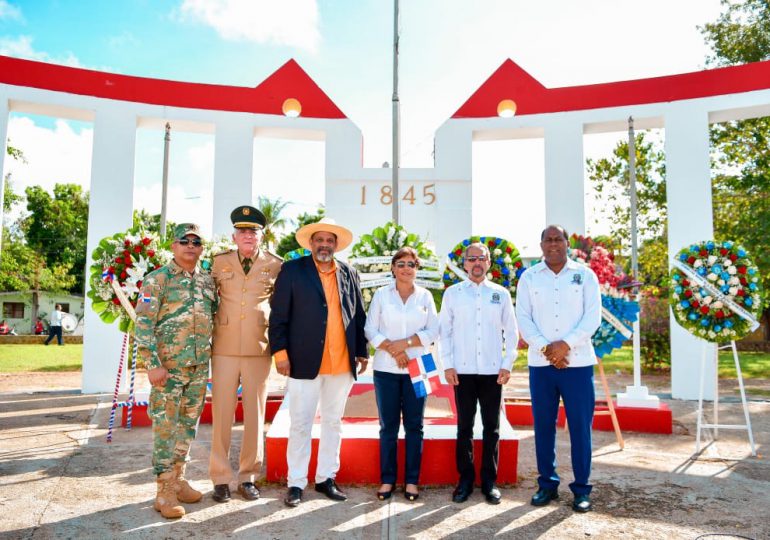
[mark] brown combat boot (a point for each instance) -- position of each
(186, 493)
(166, 501)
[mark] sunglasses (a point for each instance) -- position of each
(474, 258)
(402, 264)
(195, 241)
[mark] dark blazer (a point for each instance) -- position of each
(298, 315)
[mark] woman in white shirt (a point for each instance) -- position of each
(401, 324)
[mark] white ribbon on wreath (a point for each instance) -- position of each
(716, 293)
(616, 323)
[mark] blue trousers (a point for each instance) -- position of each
(396, 399)
(576, 387)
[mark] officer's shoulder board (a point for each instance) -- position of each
(226, 252)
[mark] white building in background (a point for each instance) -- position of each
(435, 203)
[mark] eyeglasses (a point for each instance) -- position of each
(474, 258)
(195, 242)
(402, 264)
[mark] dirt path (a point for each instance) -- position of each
(60, 479)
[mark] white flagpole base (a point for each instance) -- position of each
(638, 396)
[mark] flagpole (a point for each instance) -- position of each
(636, 395)
(166, 145)
(396, 116)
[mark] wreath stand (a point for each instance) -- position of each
(131, 397)
(610, 406)
(716, 425)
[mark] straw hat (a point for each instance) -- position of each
(344, 236)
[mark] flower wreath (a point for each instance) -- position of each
(716, 293)
(125, 258)
(216, 246)
(505, 267)
(619, 309)
(372, 254)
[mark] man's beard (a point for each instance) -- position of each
(324, 256)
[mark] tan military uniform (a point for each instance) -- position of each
(240, 355)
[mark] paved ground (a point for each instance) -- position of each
(59, 479)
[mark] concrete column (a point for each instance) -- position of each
(233, 168)
(688, 195)
(3, 142)
(565, 176)
(110, 211)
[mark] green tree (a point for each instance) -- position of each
(272, 210)
(57, 228)
(151, 223)
(24, 269)
(741, 149)
(610, 178)
(289, 243)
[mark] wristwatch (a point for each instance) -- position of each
(409, 342)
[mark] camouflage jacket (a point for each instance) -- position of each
(175, 317)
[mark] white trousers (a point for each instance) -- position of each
(328, 394)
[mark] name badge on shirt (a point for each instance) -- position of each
(577, 279)
(495, 298)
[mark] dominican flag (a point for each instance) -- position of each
(147, 297)
(107, 276)
(424, 375)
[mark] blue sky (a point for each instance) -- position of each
(448, 48)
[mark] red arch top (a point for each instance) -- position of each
(288, 81)
(510, 81)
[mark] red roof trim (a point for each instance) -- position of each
(290, 80)
(510, 81)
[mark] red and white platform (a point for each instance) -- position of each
(360, 450)
(643, 420)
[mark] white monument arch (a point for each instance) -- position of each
(435, 203)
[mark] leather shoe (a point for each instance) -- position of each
(544, 496)
(582, 503)
(493, 496)
(385, 495)
(461, 494)
(221, 493)
(293, 497)
(248, 491)
(329, 488)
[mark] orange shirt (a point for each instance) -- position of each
(335, 356)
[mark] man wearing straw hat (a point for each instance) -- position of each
(174, 320)
(317, 337)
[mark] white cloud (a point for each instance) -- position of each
(180, 207)
(58, 155)
(21, 47)
(293, 23)
(10, 12)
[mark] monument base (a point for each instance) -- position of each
(360, 448)
(640, 419)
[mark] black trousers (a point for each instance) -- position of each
(54, 331)
(484, 390)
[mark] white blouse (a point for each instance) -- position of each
(391, 318)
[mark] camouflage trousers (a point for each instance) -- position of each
(175, 409)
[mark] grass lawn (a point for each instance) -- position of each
(36, 357)
(754, 365)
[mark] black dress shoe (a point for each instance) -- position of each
(221, 493)
(461, 494)
(248, 491)
(582, 503)
(329, 488)
(544, 496)
(385, 495)
(493, 496)
(293, 497)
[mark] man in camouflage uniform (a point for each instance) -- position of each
(174, 320)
